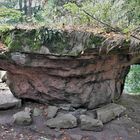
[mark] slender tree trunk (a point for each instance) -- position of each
(30, 8)
(20, 5)
(25, 7)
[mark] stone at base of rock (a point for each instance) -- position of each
(51, 111)
(110, 112)
(63, 121)
(23, 117)
(90, 124)
(37, 112)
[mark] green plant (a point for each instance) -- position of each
(132, 82)
(9, 15)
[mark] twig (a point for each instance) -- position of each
(93, 17)
(118, 30)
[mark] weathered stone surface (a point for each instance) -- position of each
(88, 123)
(23, 117)
(7, 100)
(86, 81)
(63, 121)
(110, 112)
(51, 111)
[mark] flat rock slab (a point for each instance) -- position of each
(90, 124)
(7, 100)
(63, 121)
(110, 112)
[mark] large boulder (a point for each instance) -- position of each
(80, 68)
(82, 81)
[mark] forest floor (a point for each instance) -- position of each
(124, 128)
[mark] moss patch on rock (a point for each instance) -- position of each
(62, 41)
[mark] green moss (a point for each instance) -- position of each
(16, 39)
(15, 46)
(56, 41)
(94, 41)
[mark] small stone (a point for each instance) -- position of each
(22, 118)
(43, 138)
(51, 111)
(21, 135)
(37, 112)
(63, 121)
(110, 112)
(28, 109)
(90, 124)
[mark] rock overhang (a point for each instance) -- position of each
(67, 66)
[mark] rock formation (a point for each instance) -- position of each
(77, 67)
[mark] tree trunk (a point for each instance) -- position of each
(30, 9)
(20, 5)
(25, 7)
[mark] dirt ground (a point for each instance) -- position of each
(124, 128)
